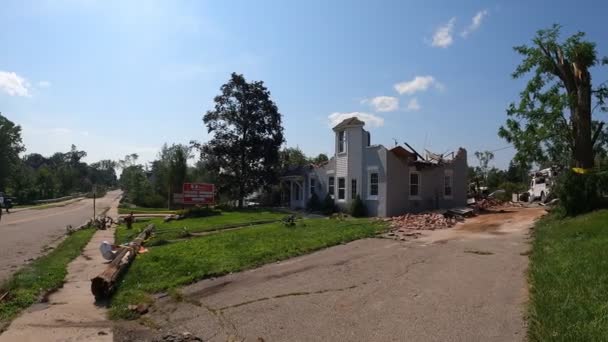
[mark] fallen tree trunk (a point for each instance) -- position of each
(103, 285)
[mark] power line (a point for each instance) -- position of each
(502, 148)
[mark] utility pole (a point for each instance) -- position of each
(94, 197)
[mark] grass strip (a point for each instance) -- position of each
(568, 277)
(178, 229)
(34, 281)
(169, 266)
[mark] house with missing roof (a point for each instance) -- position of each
(389, 181)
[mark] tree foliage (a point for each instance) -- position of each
(36, 177)
(320, 159)
(247, 135)
(10, 147)
(292, 157)
(552, 122)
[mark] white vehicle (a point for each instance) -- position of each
(540, 184)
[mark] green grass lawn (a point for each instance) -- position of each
(175, 229)
(45, 274)
(145, 211)
(569, 279)
(169, 266)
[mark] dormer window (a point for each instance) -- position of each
(341, 141)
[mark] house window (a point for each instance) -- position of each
(330, 187)
(341, 141)
(341, 188)
(353, 188)
(373, 184)
(312, 186)
(369, 139)
(447, 181)
(414, 184)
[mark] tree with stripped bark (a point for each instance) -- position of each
(553, 123)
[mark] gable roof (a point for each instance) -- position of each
(350, 122)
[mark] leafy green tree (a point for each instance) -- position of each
(178, 167)
(320, 159)
(495, 178)
(247, 135)
(292, 157)
(517, 173)
(538, 125)
(10, 147)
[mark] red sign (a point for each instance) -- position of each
(199, 193)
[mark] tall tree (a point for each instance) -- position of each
(178, 168)
(484, 159)
(247, 135)
(538, 125)
(10, 147)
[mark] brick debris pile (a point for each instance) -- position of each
(490, 203)
(406, 227)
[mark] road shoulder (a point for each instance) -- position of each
(70, 314)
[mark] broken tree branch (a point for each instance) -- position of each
(596, 134)
(104, 284)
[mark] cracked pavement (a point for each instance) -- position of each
(462, 284)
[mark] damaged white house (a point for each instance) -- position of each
(389, 181)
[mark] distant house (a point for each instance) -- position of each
(390, 181)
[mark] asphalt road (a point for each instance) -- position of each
(27, 234)
(461, 284)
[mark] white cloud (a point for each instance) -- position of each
(419, 83)
(383, 103)
(13, 84)
(413, 105)
(369, 119)
(475, 23)
(44, 84)
(443, 34)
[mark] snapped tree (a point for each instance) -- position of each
(552, 123)
(484, 159)
(247, 135)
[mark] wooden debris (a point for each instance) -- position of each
(104, 284)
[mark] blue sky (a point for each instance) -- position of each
(117, 77)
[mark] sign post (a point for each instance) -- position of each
(199, 193)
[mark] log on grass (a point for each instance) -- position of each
(103, 285)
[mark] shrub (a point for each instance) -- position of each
(329, 207)
(314, 204)
(154, 201)
(581, 193)
(198, 212)
(357, 208)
